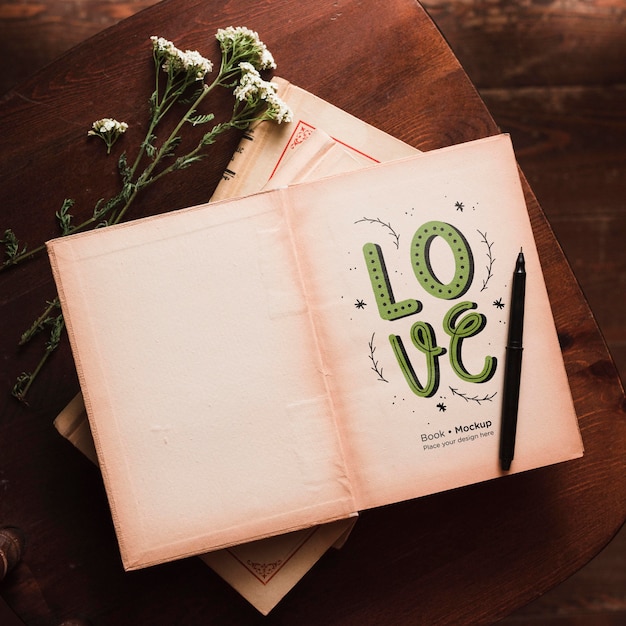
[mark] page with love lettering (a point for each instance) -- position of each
(408, 272)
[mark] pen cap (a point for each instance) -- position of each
(518, 293)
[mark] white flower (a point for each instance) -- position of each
(175, 60)
(252, 88)
(229, 36)
(277, 109)
(162, 45)
(107, 125)
(194, 61)
(109, 130)
(246, 44)
(251, 85)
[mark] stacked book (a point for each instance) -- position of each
(327, 335)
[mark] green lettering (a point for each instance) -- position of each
(388, 308)
(458, 330)
(423, 337)
(463, 260)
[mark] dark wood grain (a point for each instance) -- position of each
(472, 555)
(536, 42)
(34, 32)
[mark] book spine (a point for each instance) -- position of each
(239, 170)
(247, 171)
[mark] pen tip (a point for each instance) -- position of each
(505, 464)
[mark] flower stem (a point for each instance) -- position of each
(39, 323)
(25, 381)
(145, 179)
(242, 53)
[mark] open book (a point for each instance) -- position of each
(260, 365)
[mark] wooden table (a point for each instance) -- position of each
(471, 555)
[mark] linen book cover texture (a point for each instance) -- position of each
(255, 366)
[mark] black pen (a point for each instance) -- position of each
(513, 365)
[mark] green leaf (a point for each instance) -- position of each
(21, 385)
(11, 246)
(193, 97)
(125, 171)
(201, 119)
(148, 145)
(58, 324)
(41, 322)
(184, 162)
(170, 146)
(64, 217)
(127, 190)
(153, 101)
(102, 208)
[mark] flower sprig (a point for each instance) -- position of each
(251, 90)
(109, 130)
(242, 45)
(175, 61)
(181, 86)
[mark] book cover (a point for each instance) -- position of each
(301, 354)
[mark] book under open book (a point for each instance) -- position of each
(259, 365)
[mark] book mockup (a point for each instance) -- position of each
(257, 366)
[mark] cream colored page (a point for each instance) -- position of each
(317, 157)
(201, 380)
(266, 145)
(410, 433)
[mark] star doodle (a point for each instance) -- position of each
(498, 303)
(441, 406)
(360, 304)
(459, 206)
